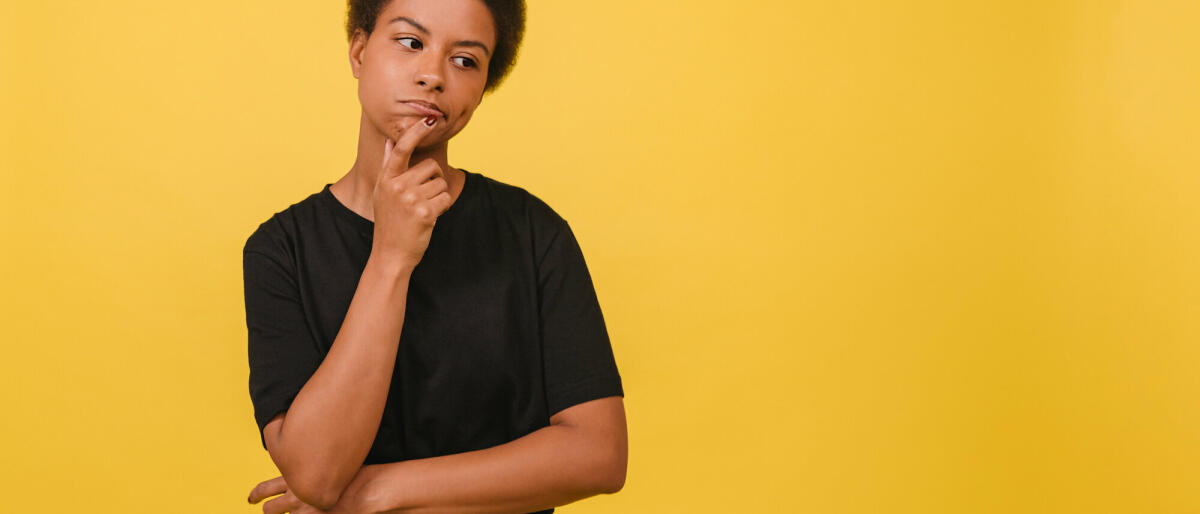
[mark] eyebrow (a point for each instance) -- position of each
(465, 42)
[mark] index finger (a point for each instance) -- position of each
(397, 159)
(271, 487)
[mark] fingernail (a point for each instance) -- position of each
(430, 120)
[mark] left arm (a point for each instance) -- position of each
(582, 453)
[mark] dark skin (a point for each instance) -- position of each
(402, 181)
(391, 68)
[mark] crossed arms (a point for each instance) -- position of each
(320, 442)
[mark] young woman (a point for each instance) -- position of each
(423, 336)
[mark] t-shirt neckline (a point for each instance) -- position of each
(367, 226)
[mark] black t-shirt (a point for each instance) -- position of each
(502, 326)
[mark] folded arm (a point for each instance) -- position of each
(320, 443)
(584, 452)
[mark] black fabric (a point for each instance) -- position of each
(502, 326)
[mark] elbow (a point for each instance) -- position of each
(612, 473)
(316, 492)
(613, 483)
(314, 488)
(325, 504)
(311, 488)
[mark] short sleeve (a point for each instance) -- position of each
(281, 349)
(577, 354)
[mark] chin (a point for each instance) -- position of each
(399, 126)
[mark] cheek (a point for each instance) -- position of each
(375, 81)
(371, 92)
(460, 122)
(464, 114)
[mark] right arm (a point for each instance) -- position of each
(321, 441)
(323, 438)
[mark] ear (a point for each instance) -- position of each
(358, 44)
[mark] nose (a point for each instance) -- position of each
(429, 72)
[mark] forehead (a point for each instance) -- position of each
(450, 19)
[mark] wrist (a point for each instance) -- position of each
(378, 489)
(367, 494)
(389, 267)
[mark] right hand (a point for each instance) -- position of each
(408, 200)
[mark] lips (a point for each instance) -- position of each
(426, 108)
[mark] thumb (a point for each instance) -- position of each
(397, 156)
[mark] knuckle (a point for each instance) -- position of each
(422, 211)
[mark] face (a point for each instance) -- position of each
(436, 51)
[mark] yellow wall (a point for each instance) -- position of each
(855, 257)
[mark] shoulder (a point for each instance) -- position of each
(545, 228)
(279, 232)
(519, 202)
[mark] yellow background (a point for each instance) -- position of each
(901, 257)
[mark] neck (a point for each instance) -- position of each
(356, 189)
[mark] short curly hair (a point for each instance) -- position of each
(508, 16)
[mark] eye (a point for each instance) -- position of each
(468, 62)
(415, 40)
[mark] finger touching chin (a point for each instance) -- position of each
(402, 124)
